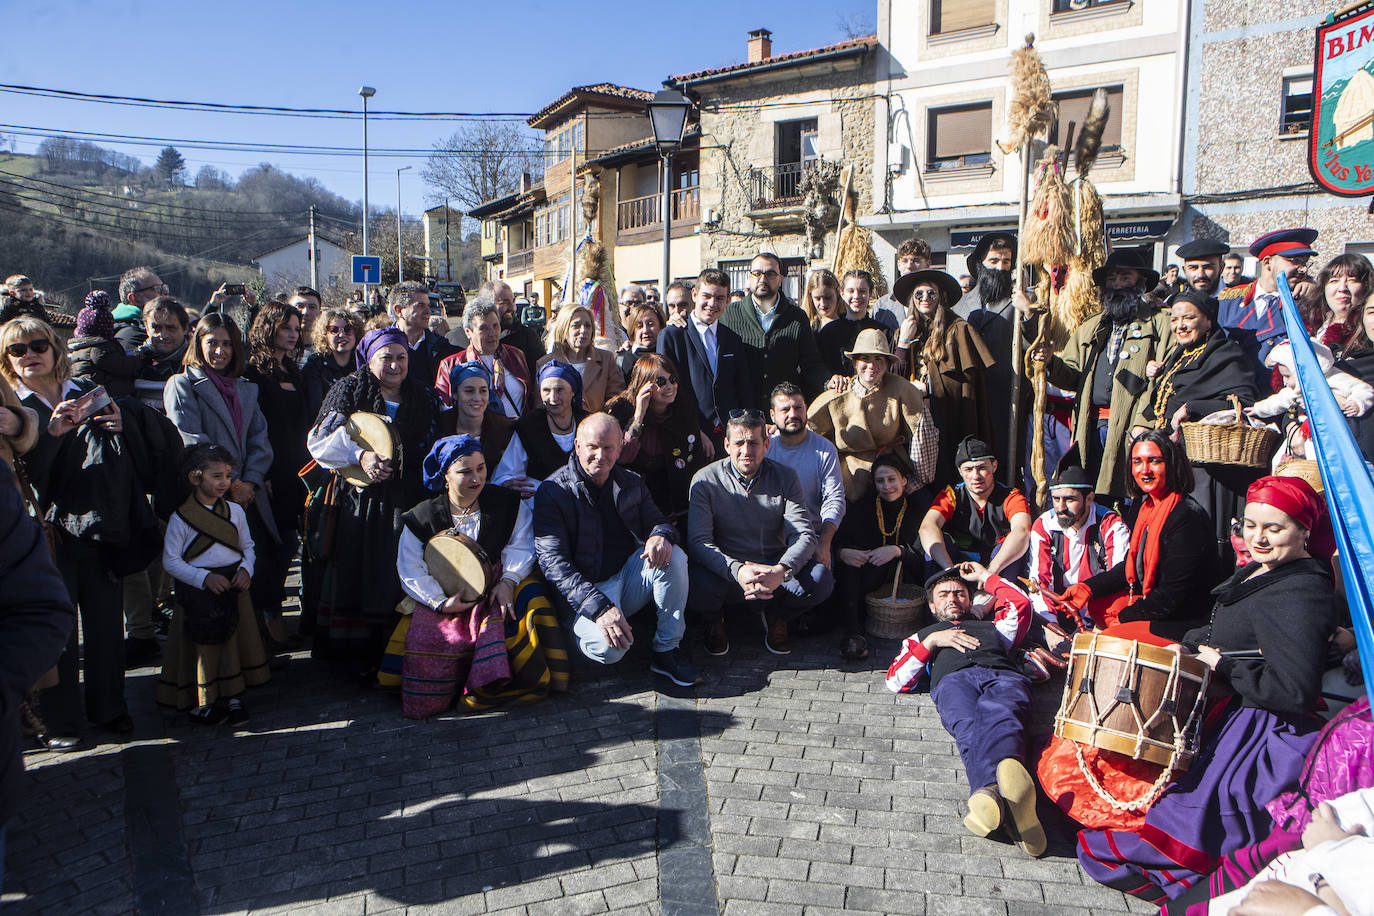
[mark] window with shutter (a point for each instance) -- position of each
(956, 15)
(959, 136)
(1073, 108)
(1296, 107)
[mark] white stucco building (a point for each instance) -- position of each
(942, 89)
(289, 266)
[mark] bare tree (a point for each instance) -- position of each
(480, 162)
(855, 25)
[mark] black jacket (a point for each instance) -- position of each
(786, 353)
(36, 617)
(568, 536)
(423, 363)
(320, 371)
(1187, 572)
(714, 395)
(104, 362)
(1287, 616)
(1221, 369)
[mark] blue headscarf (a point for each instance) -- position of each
(374, 340)
(473, 369)
(556, 369)
(446, 451)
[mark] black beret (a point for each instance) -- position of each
(949, 574)
(1202, 248)
(972, 449)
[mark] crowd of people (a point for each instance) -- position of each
(479, 509)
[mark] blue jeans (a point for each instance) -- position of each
(636, 585)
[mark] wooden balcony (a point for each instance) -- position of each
(643, 212)
(520, 262)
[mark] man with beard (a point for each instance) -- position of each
(513, 332)
(816, 461)
(776, 333)
(1202, 264)
(1104, 364)
(988, 309)
(1252, 314)
(1074, 540)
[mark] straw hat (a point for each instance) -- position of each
(870, 342)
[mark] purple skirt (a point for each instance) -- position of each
(1214, 808)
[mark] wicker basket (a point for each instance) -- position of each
(1304, 468)
(897, 613)
(1238, 443)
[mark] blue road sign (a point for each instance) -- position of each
(367, 268)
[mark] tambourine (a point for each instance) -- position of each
(371, 432)
(460, 566)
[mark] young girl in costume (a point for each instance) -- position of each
(213, 648)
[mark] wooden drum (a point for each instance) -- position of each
(459, 565)
(1133, 698)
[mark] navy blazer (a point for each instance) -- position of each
(729, 389)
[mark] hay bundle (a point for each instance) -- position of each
(1049, 236)
(854, 251)
(1032, 108)
(592, 282)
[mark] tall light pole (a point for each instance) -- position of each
(400, 260)
(668, 114)
(366, 92)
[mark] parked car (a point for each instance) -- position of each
(453, 297)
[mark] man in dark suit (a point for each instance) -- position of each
(409, 306)
(711, 360)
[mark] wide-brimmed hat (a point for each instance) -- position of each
(953, 292)
(1126, 259)
(870, 342)
(974, 261)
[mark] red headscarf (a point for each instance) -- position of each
(1295, 497)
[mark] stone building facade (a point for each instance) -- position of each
(771, 128)
(1248, 109)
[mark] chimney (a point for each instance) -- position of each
(760, 45)
(526, 182)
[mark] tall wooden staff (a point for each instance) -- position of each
(1029, 115)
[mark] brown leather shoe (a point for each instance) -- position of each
(776, 638)
(717, 643)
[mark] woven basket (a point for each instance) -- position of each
(897, 613)
(1238, 444)
(1304, 468)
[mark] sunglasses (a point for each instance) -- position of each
(926, 295)
(748, 413)
(17, 350)
(663, 381)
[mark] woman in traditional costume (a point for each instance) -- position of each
(572, 340)
(880, 531)
(947, 360)
(1152, 596)
(1266, 644)
(879, 412)
(472, 413)
(454, 646)
(1198, 376)
(213, 650)
(544, 436)
(359, 587)
(664, 442)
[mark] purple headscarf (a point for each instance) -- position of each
(556, 369)
(374, 340)
(446, 451)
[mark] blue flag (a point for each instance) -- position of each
(1349, 486)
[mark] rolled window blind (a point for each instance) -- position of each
(962, 131)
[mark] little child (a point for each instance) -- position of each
(213, 648)
(95, 353)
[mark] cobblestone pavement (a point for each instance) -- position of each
(823, 793)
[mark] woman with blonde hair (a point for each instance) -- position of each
(821, 300)
(333, 338)
(572, 340)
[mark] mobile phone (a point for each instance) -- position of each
(234, 289)
(90, 404)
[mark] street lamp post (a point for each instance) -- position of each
(366, 92)
(400, 258)
(668, 115)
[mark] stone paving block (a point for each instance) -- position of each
(1003, 888)
(855, 875)
(885, 901)
(760, 867)
(741, 887)
(811, 851)
(804, 892)
(582, 904)
(938, 905)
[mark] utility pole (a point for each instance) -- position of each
(400, 255)
(314, 253)
(448, 253)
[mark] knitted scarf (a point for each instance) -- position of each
(1148, 525)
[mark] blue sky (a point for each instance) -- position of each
(421, 55)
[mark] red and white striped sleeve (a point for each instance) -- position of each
(1013, 615)
(1040, 566)
(904, 674)
(1116, 538)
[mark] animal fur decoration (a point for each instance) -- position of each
(1032, 108)
(1090, 133)
(854, 251)
(1049, 237)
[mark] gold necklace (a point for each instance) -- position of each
(896, 525)
(1166, 385)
